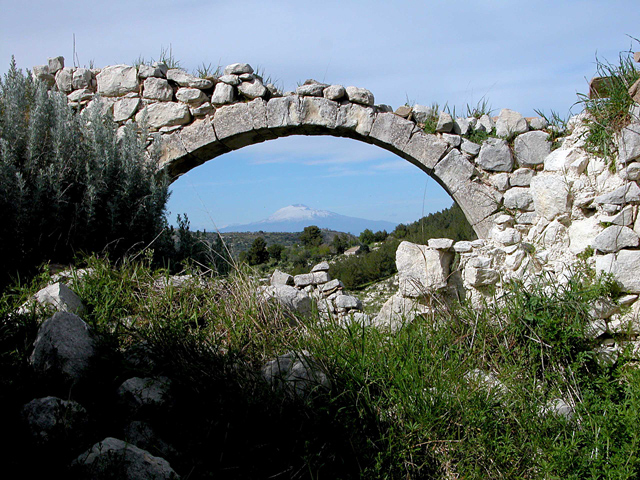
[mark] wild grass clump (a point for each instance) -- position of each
(609, 113)
(462, 392)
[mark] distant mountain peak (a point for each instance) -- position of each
(294, 218)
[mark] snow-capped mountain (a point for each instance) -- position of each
(295, 217)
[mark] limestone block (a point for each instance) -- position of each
(233, 80)
(391, 130)
(495, 156)
(283, 112)
(537, 123)
(631, 172)
(55, 64)
(521, 177)
(199, 135)
(440, 243)
(628, 193)
(582, 232)
(57, 296)
(480, 276)
(258, 113)
(485, 124)
(318, 111)
(232, 120)
(149, 71)
(518, 198)
(550, 195)
(125, 108)
(461, 126)
(500, 181)
(80, 95)
(202, 110)
(360, 95)
(397, 312)
(555, 234)
(356, 118)
(290, 297)
(462, 246)
(320, 277)
(532, 148)
(114, 458)
(510, 122)
(478, 202)
(296, 373)
(321, 267)
(454, 170)
(157, 89)
(238, 69)
(223, 94)
(64, 346)
(422, 114)
(166, 149)
(164, 114)
(64, 80)
(280, 278)
(453, 141)
(426, 149)
(629, 143)
(445, 123)
(347, 302)
(334, 92)
(81, 78)
(191, 96)
(117, 80)
(625, 217)
(252, 89)
(311, 90)
(469, 147)
(624, 266)
(184, 79)
(421, 269)
(506, 237)
(143, 393)
(303, 280)
(560, 160)
(614, 238)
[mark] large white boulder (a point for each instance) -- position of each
(421, 269)
(117, 80)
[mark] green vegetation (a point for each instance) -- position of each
(463, 393)
(67, 182)
(609, 112)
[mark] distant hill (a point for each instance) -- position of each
(295, 217)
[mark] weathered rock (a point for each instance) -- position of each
(509, 123)
(485, 124)
(191, 96)
(421, 269)
(157, 89)
(164, 114)
(398, 311)
(347, 302)
(453, 141)
(41, 72)
(143, 435)
(461, 126)
(125, 108)
(331, 286)
(311, 90)
(462, 246)
(117, 80)
(532, 148)
(500, 181)
(55, 423)
(223, 94)
(624, 266)
(426, 148)
(233, 80)
(150, 71)
(615, 238)
(238, 69)
(629, 143)
(469, 147)
(518, 198)
(143, 393)
(582, 233)
(537, 123)
(297, 373)
(440, 243)
(58, 297)
(64, 80)
(334, 92)
(184, 79)
(521, 177)
(404, 111)
(360, 95)
(625, 217)
(631, 172)
(290, 297)
(550, 195)
(281, 278)
(480, 277)
(63, 347)
(392, 130)
(495, 156)
(355, 117)
(80, 95)
(628, 193)
(508, 236)
(321, 267)
(114, 458)
(557, 407)
(55, 64)
(422, 114)
(81, 78)
(252, 89)
(453, 170)
(445, 123)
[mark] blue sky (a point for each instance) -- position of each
(523, 55)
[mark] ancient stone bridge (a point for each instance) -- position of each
(192, 120)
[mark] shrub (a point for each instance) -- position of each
(69, 182)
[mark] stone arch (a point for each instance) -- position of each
(231, 127)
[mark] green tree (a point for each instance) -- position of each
(311, 236)
(275, 251)
(67, 182)
(340, 243)
(258, 253)
(367, 236)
